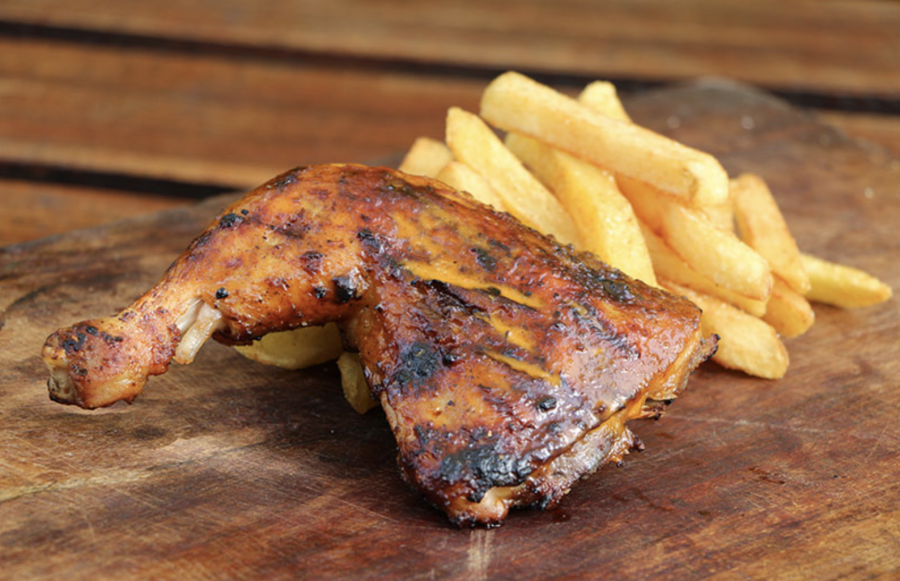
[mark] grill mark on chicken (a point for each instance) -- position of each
(417, 363)
(311, 261)
(507, 364)
(517, 364)
(461, 279)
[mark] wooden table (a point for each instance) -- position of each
(114, 110)
(111, 109)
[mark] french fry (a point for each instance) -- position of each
(745, 342)
(602, 97)
(720, 215)
(787, 311)
(670, 266)
(606, 223)
(354, 384)
(461, 177)
(514, 102)
(475, 144)
(296, 349)
(716, 254)
(308, 346)
(426, 158)
(762, 226)
(644, 200)
(842, 286)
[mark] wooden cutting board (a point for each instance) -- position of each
(227, 469)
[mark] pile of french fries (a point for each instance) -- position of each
(582, 171)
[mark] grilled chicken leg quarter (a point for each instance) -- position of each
(506, 364)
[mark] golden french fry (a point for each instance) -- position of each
(720, 215)
(426, 157)
(745, 342)
(514, 102)
(354, 384)
(475, 144)
(297, 349)
(602, 97)
(604, 218)
(762, 226)
(670, 266)
(461, 177)
(842, 286)
(787, 311)
(644, 199)
(714, 253)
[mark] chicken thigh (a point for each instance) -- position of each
(506, 364)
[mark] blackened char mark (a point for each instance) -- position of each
(74, 343)
(482, 466)
(77, 338)
(499, 245)
(615, 286)
(484, 259)
(345, 289)
(110, 339)
(284, 180)
(417, 363)
(196, 249)
(295, 228)
(546, 403)
(230, 220)
(370, 241)
(311, 261)
(601, 328)
(617, 290)
(449, 302)
(392, 186)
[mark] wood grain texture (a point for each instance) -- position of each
(207, 119)
(229, 470)
(33, 209)
(880, 130)
(850, 46)
(225, 119)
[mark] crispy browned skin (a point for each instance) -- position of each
(507, 365)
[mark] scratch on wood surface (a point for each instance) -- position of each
(762, 507)
(86, 517)
(110, 479)
(868, 436)
(874, 447)
(17, 470)
(715, 434)
(663, 455)
(195, 451)
(754, 424)
(479, 554)
(358, 507)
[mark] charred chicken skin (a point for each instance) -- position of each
(507, 364)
